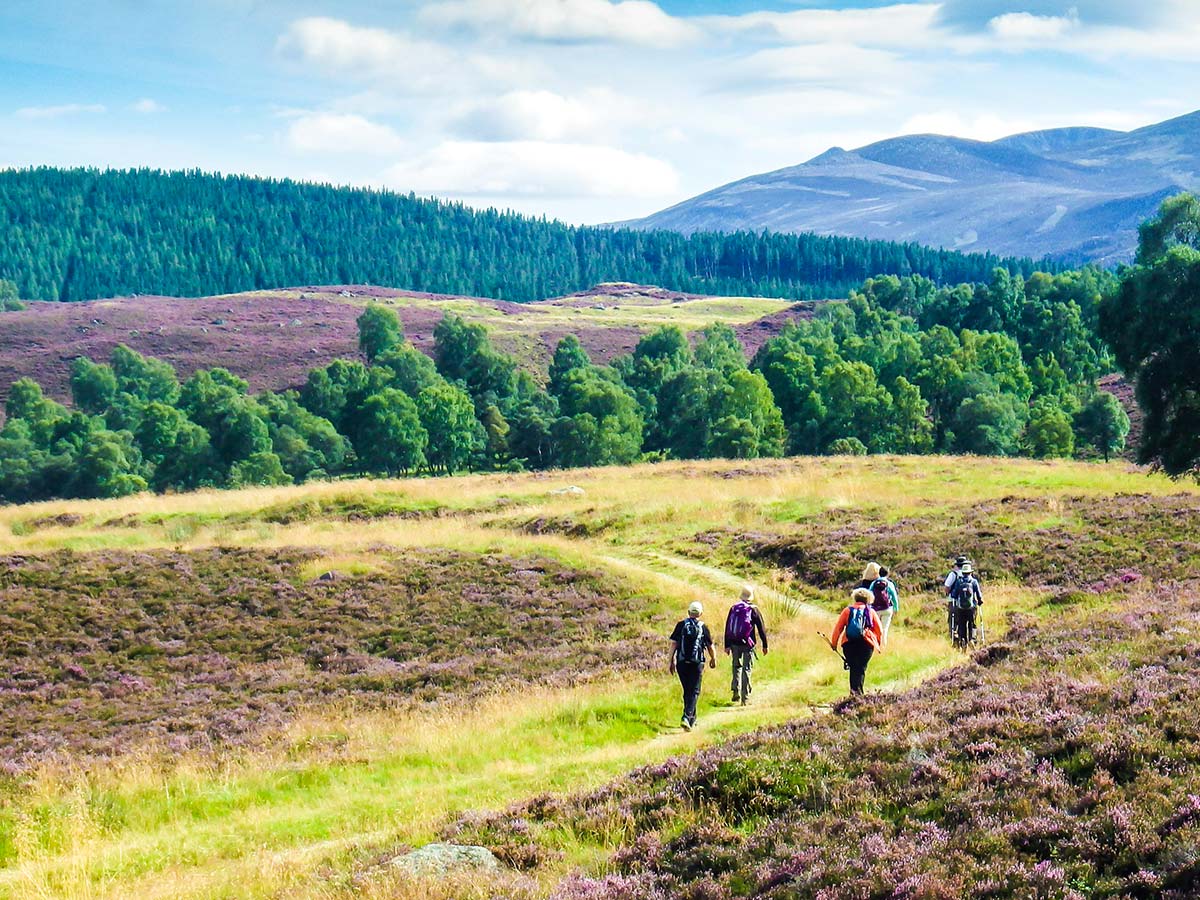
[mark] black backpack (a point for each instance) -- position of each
(691, 642)
(964, 592)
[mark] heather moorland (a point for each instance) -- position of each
(271, 692)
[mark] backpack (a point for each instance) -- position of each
(691, 642)
(859, 623)
(881, 598)
(963, 592)
(739, 625)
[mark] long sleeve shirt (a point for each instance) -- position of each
(874, 634)
(756, 620)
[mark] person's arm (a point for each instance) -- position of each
(894, 594)
(839, 628)
(949, 583)
(979, 592)
(762, 629)
(712, 650)
(674, 652)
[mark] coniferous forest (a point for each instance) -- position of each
(80, 234)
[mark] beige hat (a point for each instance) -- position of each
(695, 609)
(747, 593)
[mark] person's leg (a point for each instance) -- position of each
(972, 632)
(747, 668)
(690, 675)
(868, 652)
(736, 674)
(695, 698)
(853, 651)
(885, 622)
(685, 682)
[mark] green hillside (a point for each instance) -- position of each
(79, 234)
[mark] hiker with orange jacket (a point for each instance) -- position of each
(859, 634)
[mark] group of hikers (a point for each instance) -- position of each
(861, 631)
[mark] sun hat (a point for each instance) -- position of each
(959, 560)
(967, 568)
(695, 609)
(747, 593)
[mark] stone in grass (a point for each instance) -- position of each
(444, 859)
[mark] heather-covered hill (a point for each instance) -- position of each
(273, 338)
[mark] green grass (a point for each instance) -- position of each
(340, 786)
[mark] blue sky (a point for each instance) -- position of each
(587, 110)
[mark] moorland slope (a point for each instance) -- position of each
(343, 719)
(273, 338)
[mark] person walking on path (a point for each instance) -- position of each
(951, 580)
(859, 635)
(743, 621)
(965, 599)
(691, 646)
(885, 600)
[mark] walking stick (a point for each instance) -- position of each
(829, 644)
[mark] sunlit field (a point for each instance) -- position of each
(357, 734)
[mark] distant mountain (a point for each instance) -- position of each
(1073, 194)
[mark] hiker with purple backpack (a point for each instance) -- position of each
(885, 599)
(743, 621)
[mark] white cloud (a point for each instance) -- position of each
(147, 106)
(408, 65)
(625, 22)
(903, 25)
(533, 168)
(547, 116)
(338, 46)
(342, 134)
(55, 112)
(840, 67)
(1023, 27)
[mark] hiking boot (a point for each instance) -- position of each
(685, 724)
(745, 700)
(734, 699)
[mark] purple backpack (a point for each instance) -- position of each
(739, 625)
(880, 598)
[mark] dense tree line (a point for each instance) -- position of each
(862, 377)
(78, 234)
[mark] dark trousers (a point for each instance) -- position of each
(858, 654)
(690, 676)
(964, 624)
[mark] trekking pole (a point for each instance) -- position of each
(829, 644)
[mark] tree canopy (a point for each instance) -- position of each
(80, 234)
(1152, 323)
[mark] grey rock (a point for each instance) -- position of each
(442, 859)
(1075, 194)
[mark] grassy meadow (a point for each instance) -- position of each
(267, 692)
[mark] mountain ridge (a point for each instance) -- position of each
(1074, 194)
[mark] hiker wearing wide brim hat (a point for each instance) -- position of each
(965, 599)
(691, 647)
(742, 623)
(948, 586)
(859, 635)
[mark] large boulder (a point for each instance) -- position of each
(442, 859)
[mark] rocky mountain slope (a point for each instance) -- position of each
(1074, 194)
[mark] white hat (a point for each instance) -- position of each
(695, 609)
